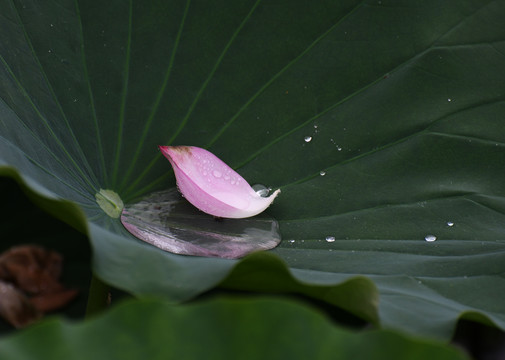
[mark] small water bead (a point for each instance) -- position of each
(339, 148)
(450, 223)
(430, 238)
(217, 173)
(330, 238)
(322, 173)
(261, 190)
(308, 139)
(291, 241)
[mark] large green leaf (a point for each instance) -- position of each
(218, 329)
(403, 102)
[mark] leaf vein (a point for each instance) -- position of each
(155, 107)
(126, 72)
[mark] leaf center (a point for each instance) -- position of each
(110, 202)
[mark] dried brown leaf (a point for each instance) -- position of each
(15, 307)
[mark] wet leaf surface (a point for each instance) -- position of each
(166, 220)
(381, 121)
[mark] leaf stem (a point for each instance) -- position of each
(97, 298)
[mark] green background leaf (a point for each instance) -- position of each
(218, 329)
(404, 102)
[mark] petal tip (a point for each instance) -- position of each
(273, 195)
(175, 150)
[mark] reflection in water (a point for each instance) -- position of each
(167, 221)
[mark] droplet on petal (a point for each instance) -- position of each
(227, 195)
(261, 190)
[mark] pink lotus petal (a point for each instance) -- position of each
(211, 185)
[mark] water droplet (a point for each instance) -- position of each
(217, 173)
(291, 241)
(308, 139)
(261, 190)
(315, 126)
(322, 173)
(449, 100)
(450, 223)
(339, 148)
(330, 238)
(430, 238)
(52, 25)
